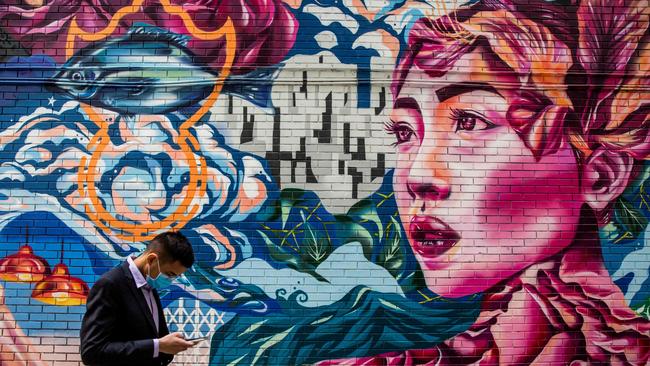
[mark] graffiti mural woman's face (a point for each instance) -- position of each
(477, 206)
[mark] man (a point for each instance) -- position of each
(124, 322)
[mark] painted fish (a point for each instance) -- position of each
(150, 71)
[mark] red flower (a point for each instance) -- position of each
(265, 29)
(564, 311)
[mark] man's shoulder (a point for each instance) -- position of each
(111, 277)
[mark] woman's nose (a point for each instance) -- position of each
(428, 188)
(428, 179)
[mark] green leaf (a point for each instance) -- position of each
(413, 280)
(347, 228)
(639, 182)
(644, 309)
(362, 213)
(629, 217)
(289, 198)
(291, 259)
(315, 249)
(391, 256)
(365, 211)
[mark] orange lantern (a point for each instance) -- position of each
(60, 288)
(23, 266)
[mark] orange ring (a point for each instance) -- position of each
(186, 141)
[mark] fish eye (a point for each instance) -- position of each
(90, 75)
(137, 90)
(77, 76)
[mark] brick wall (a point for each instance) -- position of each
(374, 182)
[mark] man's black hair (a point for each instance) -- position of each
(173, 246)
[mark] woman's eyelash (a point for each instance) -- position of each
(398, 129)
(389, 126)
(458, 114)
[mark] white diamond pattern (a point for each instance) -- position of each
(193, 320)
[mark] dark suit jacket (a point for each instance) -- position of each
(118, 328)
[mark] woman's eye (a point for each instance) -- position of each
(402, 131)
(403, 134)
(468, 121)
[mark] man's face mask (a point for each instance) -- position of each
(161, 281)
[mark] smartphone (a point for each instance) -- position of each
(197, 339)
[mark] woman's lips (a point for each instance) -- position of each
(431, 237)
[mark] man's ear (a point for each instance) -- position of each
(151, 257)
(604, 177)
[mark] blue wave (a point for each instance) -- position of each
(362, 323)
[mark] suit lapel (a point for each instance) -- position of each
(162, 323)
(139, 297)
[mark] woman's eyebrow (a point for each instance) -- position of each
(453, 90)
(406, 103)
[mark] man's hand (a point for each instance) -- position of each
(173, 343)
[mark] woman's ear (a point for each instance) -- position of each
(604, 177)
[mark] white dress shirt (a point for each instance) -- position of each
(141, 283)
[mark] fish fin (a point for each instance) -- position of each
(146, 31)
(261, 75)
(255, 86)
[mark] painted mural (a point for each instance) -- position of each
(363, 183)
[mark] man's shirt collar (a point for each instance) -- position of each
(137, 276)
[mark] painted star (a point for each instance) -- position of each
(51, 100)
